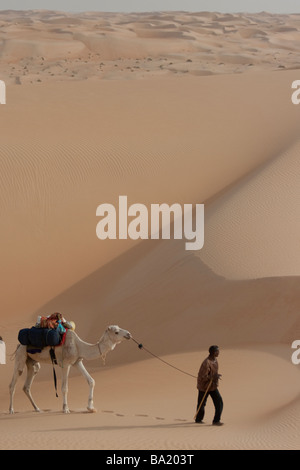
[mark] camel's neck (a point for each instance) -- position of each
(105, 345)
(88, 351)
(94, 351)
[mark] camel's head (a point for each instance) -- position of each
(117, 334)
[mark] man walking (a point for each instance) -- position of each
(207, 384)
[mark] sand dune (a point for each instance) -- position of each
(161, 107)
(62, 180)
(271, 195)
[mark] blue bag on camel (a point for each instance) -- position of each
(23, 336)
(39, 337)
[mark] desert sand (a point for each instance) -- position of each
(165, 107)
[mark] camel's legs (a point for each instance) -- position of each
(12, 388)
(20, 360)
(32, 369)
(64, 388)
(91, 383)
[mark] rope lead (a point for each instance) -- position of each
(140, 346)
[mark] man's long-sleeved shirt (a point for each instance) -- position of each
(208, 370)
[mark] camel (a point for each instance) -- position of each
(71, 353)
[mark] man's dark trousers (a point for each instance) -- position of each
(218, 403)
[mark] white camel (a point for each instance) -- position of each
(71, 353)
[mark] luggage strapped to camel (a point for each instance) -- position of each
(48, 331)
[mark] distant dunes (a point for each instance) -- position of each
(108, 45)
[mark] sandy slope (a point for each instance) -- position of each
(269, 195)
(216, 126)
(74, 161)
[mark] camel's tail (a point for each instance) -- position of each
(20, 359)
(13, 355)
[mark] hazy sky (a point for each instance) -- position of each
(273, 6)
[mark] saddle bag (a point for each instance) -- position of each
(39, 337)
